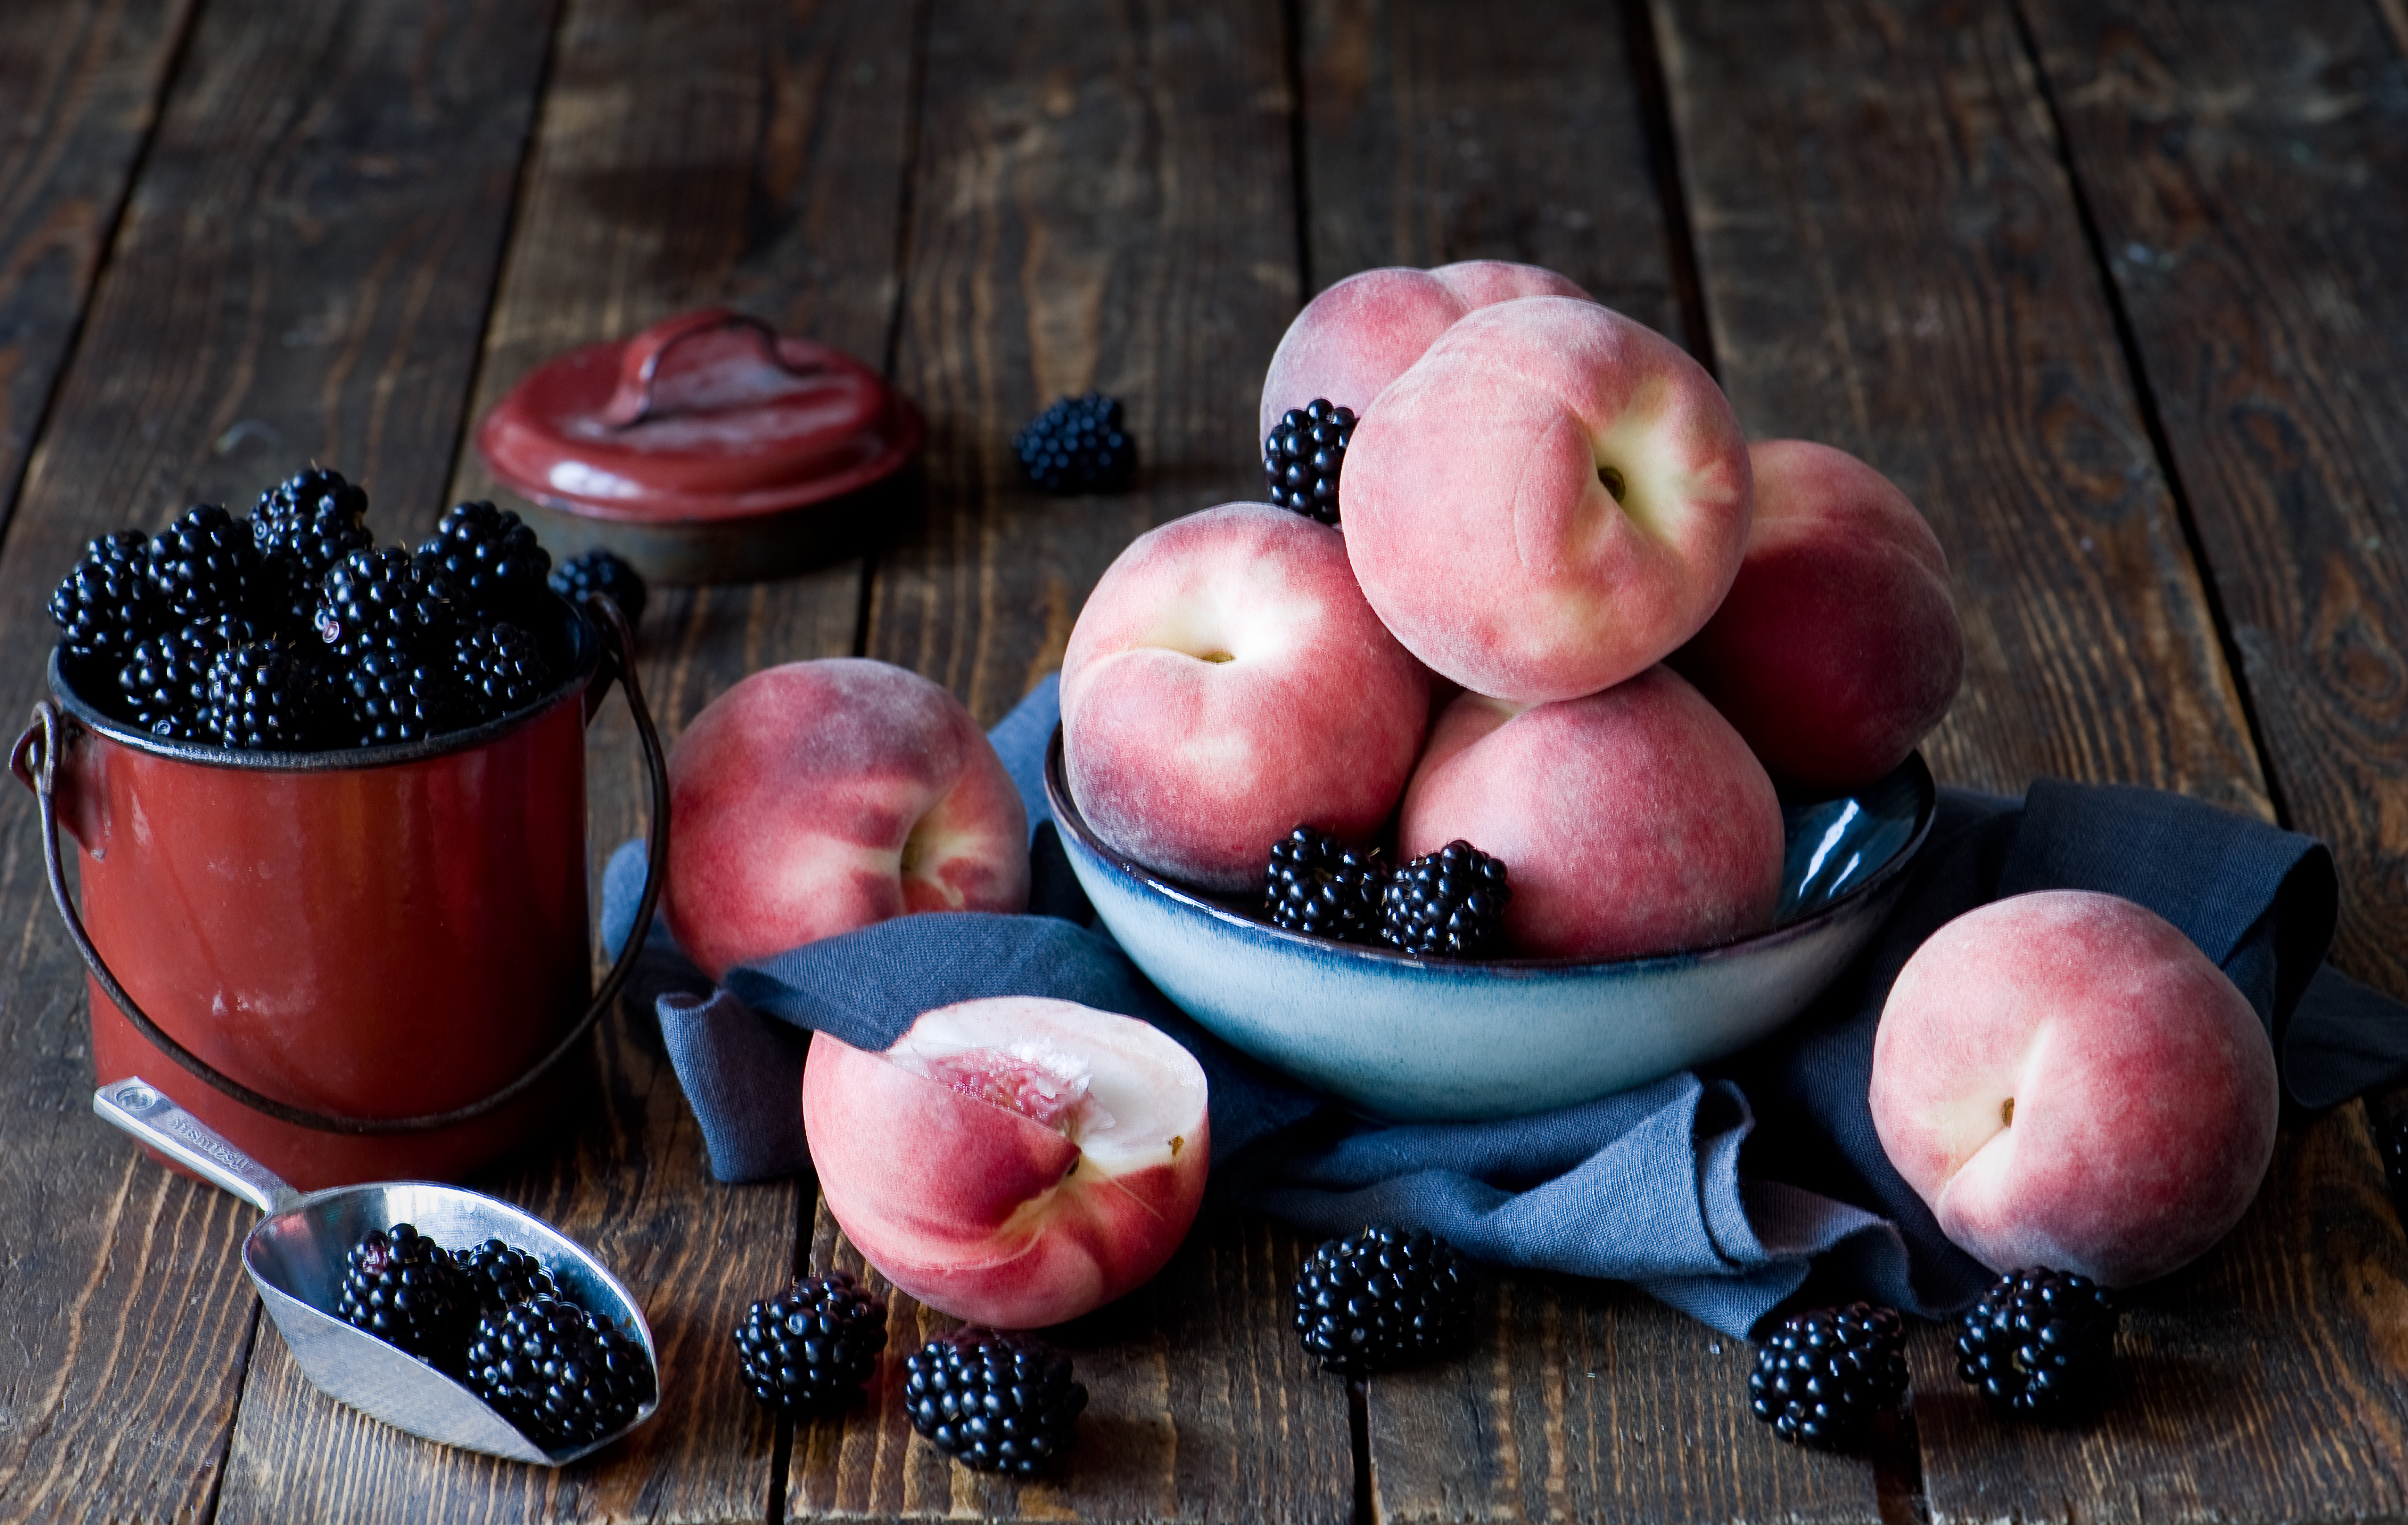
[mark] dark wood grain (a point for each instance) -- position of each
(1201, 1405)
(1429, 140)
(682, 158)
(1103, 201)
(302, 270)
(1894, 262)
(2249, 177)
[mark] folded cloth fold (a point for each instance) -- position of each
(1721, 1193)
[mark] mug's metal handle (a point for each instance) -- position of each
(141, 1109)
(36, 760)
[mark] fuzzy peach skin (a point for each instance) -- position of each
(1359, 335)
(1630, 821)
(2069, 1082)
(1226, 682)
(818, 796)
(1838, 647)
(1015, 1161)
(1549, 502)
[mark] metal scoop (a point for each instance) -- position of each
(296, 1258)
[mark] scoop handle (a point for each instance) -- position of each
(144, 1111)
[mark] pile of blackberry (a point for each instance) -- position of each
(1078, 445)
(492, 1317)
(2041, 1344)
(1303, 455)
(993, 1402)
(1822, 1376)
(1384, 1299)
(808, 1349)
(1447, 904)
(293, 631)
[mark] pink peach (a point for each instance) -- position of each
(1838, 647)
(1549, 502)
(2069, 1082)
(1630, 821)
(1224, 684)
(1015, 1161)
(818, 796)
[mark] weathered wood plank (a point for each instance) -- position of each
(2249, 177)
(749, 153)
(301, 271)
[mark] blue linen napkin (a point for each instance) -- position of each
(1723, 1193)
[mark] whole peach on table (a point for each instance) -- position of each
(1363, 332)
(1634, 821)
(1225, 683)
(815, 798)
(1016, 1160)
(1838, 647)
(1547, 502)
(2069, 1082)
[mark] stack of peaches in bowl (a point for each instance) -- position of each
(1664, 685)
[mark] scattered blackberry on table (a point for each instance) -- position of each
(1316, 883)
(498, 1276)
(107, 603)
(206, 563)
(808, 1349)
(402, 1287)
(1822, 1376)
(303, 526)
(501, 668)
(490, 558)
(1450, 904)
(599, 571)
(1303, 455)
(2041, 1344)
(993, 1402)
(1384, 1299)
(1077, 445)
(262, 697)
(384, 600)
(561, 1376)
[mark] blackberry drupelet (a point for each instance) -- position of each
(1303, 455)
(2041, 1344)
(383, 600)
(1450, 904)
(993, 1402)
(497, 1276)
(263, 697)
(206, 563)
(1821, 1377)
(107, 604)
(808, 1349)
(1384, 1299)
(1316, 883)
(599, 571)
(403, 1289)
(1077, 445)
(563, 1377)
(395, 696)
(302, 526)
(500, 669)
(490, 558)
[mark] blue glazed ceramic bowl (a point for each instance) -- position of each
(1434, 1040)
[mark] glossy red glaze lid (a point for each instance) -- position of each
(707, 415)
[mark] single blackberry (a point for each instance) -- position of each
(383, 600)
(497, 1276)
(489, 556)
(107, 604)
(302, 526)
(394, 696)
(166, 679)
(1384, 1299)
(500, 669)
(206, 563)
(401, 1287)
(993, 1402)
(1077, 445)
(1821, 1377)
(1450, 904)
(599, 571)
(558, 1374)
(2041, 1344)
(1316, 883)
(263, 697)
(808, 1349)
(1303, 455)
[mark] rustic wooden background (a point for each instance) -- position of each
(2114, 290)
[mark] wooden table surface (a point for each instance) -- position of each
(2114, 290)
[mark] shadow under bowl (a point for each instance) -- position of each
(1436, 1040)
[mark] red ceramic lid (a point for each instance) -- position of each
(707, 415)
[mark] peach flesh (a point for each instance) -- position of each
(1017, 1161)
(2067, 1081)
